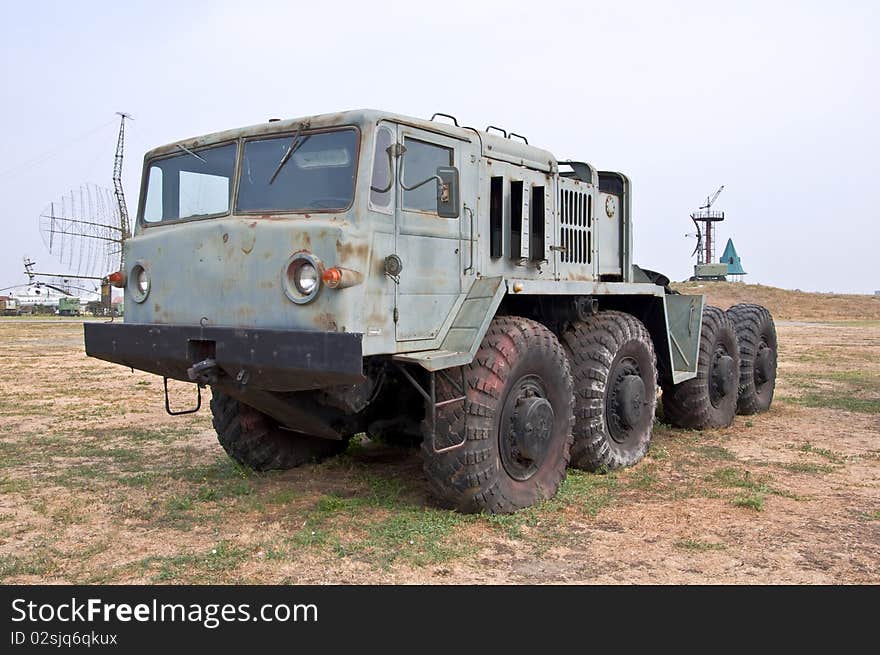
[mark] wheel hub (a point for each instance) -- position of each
(625, 399)
(526, 428)
(533, 421)
(763, 366)
(724, 375)
(631, 400)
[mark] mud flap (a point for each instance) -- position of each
(683, 324)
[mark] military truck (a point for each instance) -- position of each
(10, 306)
(69, 306)
(366, 272)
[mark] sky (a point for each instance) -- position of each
(778, 101)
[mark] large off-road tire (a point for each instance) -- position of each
(514, 426)
(708, 400)
(255, 440)
(615, 384)
(756, 336)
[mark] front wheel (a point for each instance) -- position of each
(257, 441)
(514, 426)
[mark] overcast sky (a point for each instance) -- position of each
(780, 102)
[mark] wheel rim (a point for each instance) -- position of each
(722, 376)
(526, 428)
(625, 399)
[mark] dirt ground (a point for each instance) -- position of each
(99, 485)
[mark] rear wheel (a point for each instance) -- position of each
(756, 336)
(615, 381)
(257, 441)
(514, 426)
(708, 400)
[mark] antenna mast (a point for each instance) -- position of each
(124, 229)
(705, 250)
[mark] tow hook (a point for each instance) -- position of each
(204, 372)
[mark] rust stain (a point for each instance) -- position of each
(325, 321)
(226, 237)
(302, 241)
(348, 251)
(377, 317)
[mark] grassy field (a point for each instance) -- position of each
(99, 485)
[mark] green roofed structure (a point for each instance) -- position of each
(734, 265)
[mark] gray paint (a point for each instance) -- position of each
(227, 271)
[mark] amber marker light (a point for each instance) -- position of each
(338, 277)
(332, 277)
(116, 279)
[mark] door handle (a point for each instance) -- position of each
(470, 265)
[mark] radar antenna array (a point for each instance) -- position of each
(85, 229)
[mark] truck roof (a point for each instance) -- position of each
(492, 145)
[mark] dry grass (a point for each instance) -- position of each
(786, 305)
(97, 484)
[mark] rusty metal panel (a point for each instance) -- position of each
(229, 272)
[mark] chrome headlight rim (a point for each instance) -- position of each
(140, 271)
(291, 282)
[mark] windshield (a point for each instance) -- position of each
(193, 183)
(299, 172)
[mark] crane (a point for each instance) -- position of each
(711, 199)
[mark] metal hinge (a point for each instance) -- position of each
(396, 315)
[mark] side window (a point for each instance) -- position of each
(381, 199)
(420, 162)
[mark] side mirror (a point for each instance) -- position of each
(448, 204)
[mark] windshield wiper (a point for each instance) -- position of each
(295, 144)
(191, 153)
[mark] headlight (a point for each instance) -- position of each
(139, 283)
(305, 278)
(302, 277)
(142, 281)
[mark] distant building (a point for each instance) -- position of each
(732, 259)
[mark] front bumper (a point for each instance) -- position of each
(274, 360)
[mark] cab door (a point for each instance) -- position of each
(430, 247)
